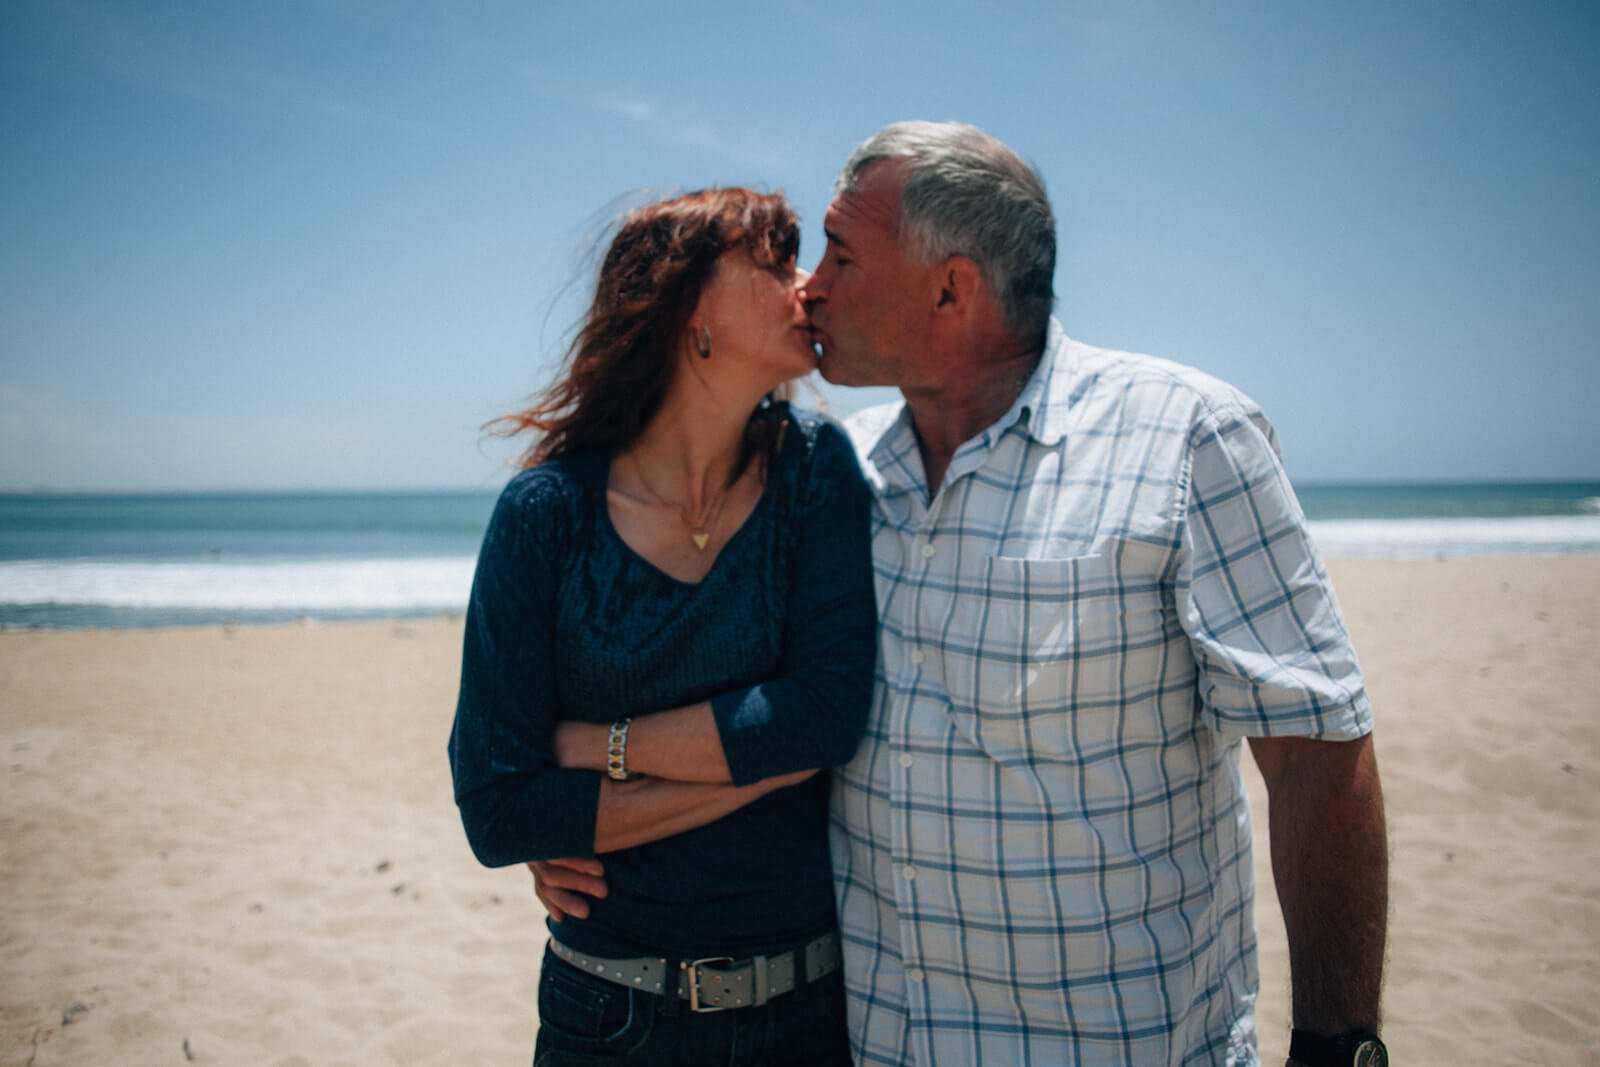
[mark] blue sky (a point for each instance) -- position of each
(308, 245)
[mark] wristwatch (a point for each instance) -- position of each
(1353, 1048)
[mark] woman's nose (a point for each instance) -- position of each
(809, 289)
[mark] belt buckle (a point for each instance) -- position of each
(693, 973)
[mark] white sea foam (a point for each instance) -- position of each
(309, 586)
(442, 584)
(1413, 538)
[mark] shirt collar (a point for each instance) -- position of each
(1042, 405)
(884, 435)
(889, 442)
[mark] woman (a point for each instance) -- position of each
(671, 629)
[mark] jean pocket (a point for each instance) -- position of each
(579, 1013)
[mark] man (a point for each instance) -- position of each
(1093, 582)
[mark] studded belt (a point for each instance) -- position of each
(715, 983)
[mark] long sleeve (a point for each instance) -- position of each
(813, 712)
(516, 804)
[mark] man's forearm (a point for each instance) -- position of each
(1330, 863)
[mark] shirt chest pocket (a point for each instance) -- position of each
(1052, 653)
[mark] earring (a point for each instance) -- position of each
(702, 342)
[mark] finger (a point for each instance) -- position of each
(582, 864)
(570, 879)
(561, 904)
(555, 913)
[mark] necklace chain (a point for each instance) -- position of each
(699, 532)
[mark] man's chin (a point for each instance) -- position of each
(836, 373)
(830, 373)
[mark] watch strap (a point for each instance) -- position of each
(1341, 1050)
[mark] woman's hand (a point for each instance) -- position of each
(565, 886)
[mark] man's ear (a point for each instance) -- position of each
(960, 281)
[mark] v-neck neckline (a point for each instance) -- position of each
(610, 526)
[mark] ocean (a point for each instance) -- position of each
(75, 561)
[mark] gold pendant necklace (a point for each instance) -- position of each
(699, 532)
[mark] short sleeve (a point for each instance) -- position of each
(1271, 646)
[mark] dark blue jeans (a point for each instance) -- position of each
(588, 1022)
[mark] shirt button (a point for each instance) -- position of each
(927, 550)
(910, 873)
(915, 974)
(917, 656)
(906, 760)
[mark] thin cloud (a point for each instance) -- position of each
(628, 107)
(681, 129)
(742, 146)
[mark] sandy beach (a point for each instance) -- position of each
(237, 846)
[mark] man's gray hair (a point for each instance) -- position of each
(967, 194)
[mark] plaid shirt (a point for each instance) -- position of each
(1042, 847)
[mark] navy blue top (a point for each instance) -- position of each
(568, 622)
